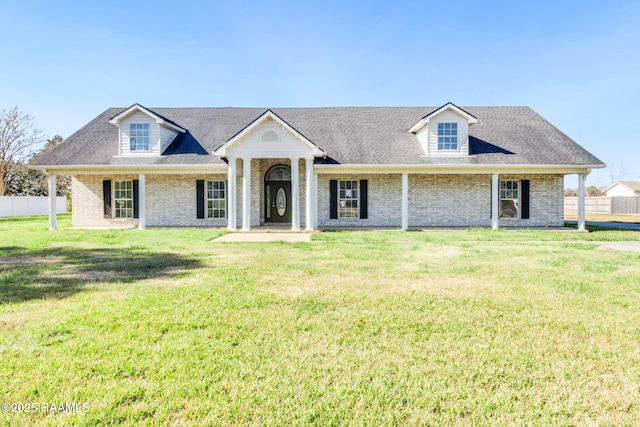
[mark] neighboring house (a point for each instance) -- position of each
(318, 167)
(623, 189)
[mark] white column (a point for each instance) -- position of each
(581, 222)
(314, 202)
(295, 195)
(309, 194)
(405, 201)
(52, 202)
(495, 201)
(246, 194)
(231, 194)
(142, 212)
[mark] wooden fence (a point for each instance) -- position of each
(606, 205)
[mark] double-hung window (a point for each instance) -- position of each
(123, 199)
(216, 199)
(348, 199)
(139, 136)
(509, 199)
(447, 136)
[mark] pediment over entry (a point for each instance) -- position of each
(269, 136)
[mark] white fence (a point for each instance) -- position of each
(608, 205)
(30, 205)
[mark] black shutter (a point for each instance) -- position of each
(106, 197)
(136, 195)
(200, 198)
(525, 185)
(333, 199)
(364, 196)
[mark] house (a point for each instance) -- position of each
(316, 168)
(623, 189)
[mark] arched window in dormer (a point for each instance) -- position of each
(270, 135)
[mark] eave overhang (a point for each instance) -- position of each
(131, 169)
(458, 169)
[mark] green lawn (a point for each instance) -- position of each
(166, 326)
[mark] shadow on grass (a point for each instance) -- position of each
(593, 228)
(27, 274)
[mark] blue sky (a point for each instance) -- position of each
(577, 63)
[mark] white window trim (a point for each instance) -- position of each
(438, 136)
(116, 199)
(349, 197)
(211, 211)
(131, 138)
(515, 199)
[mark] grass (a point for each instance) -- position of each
(166, 326)
(590, 216)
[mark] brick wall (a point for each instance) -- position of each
(434, 200)
(384, 201)
(546, 201)
(171, 201)
(450, 200)
(444, 200)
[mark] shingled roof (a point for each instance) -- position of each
(349, 135)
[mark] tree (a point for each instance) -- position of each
(615, 172)
(25, 181)
(593, 191)
(17, 141)
(570, 192)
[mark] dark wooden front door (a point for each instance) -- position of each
(278, 201)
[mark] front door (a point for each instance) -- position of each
(278, 201)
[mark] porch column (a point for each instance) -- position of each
(295, 195)
(52, 202)
(581, 222)
(142, 213)
(309, 194)
(495, 201)
(246, 194)
(231, 194)
(314, 202)
(405, 201)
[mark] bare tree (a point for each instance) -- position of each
(615, 172)
(17, 141)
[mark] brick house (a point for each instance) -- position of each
(316, 168)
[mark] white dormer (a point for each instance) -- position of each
(143, 132)
(445, 131)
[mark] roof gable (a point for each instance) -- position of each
(115, 120)
(255, 124)
(449, 106)
(631, 185)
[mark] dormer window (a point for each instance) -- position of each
(447, 136)
(139, 136)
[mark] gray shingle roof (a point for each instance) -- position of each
(349, 135)
(634, 185)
